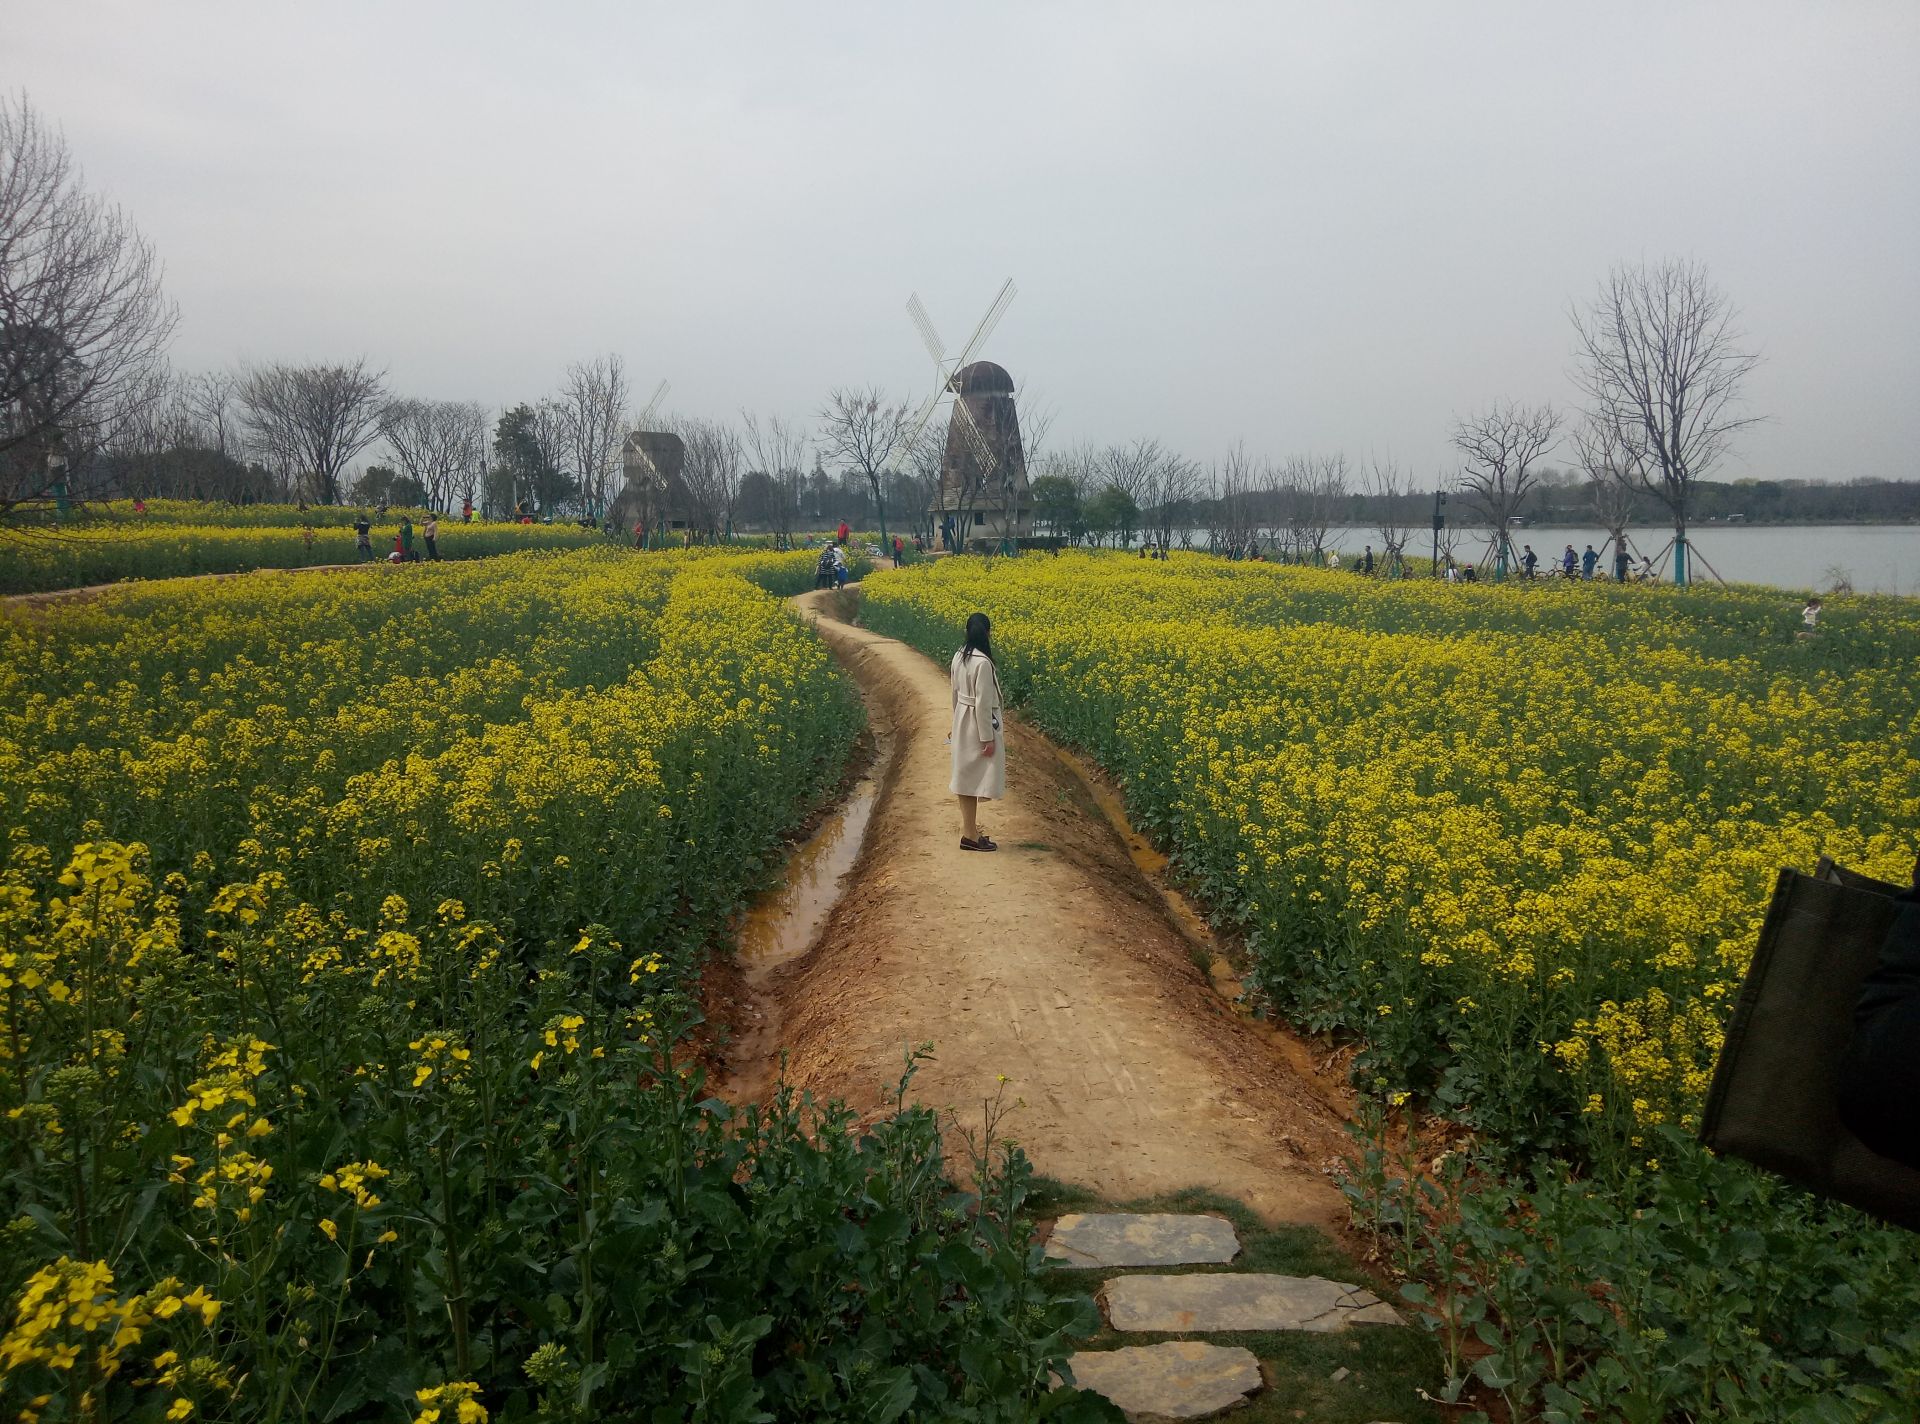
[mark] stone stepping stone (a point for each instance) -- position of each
(1178, 1304)
(1182, 1379)
(1097, 1239)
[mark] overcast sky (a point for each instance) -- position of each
(1315, 227)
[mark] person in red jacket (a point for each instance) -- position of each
(843, 531)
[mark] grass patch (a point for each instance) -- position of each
(1031, 845)
(1386, 1366)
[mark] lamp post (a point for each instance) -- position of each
(1439, 523)
(57, 472)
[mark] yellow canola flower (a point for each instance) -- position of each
(1518, 820)
(70, 1305)
(477, 736)
(456, 1403)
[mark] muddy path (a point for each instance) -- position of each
(1052, 963)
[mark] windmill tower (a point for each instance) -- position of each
(982, 497)
(654, 494)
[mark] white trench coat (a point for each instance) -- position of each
(977, 721)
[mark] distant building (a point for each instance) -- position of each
(983, 495)
(655, 490)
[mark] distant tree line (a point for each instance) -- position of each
(1754, 501)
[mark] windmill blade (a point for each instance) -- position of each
(653, 406)
(983, 452)
(976, 438)
(924, 414)
(651, 475)
(987, 324)
(928, 336)
(976, 442)
(638, 451)
(913, 428)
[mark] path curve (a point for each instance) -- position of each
(1052, 962)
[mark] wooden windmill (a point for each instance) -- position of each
(983, 474)
(650, 461)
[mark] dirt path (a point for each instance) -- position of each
(1053, 963)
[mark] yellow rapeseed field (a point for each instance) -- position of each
(116, 546)
(1518, 839)
(340, 920)
(1516, 843)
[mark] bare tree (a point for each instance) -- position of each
(1172, 486)
(553, 433)
(1131, 469)
(714, 460)
(83, 321)
(210, 395)
(593, 403)
(922, 464)
(1235, 483)
(1499, 446)
(1078, 465)
(1662, 361)
(1392, 490)
(441, 444)
(779, 450)
(311, 420)
(1612, 478)
(1036, 423)
(154, 423)
(866, 430)
(1312, 489)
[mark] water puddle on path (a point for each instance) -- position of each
(783, 923)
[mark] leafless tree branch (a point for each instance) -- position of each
(1662, 361)
(441, 444)
(865, 429)
(593, 406)
(778, 449)
(1498, 447)
(83, 321)
(311, 420)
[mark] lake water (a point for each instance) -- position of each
(1878, 558)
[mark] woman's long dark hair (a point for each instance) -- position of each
(978, 629)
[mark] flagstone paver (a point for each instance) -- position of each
(1177, 1304)
(1180, 1379)
(1094, 1239)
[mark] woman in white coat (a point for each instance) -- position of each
(979, 748)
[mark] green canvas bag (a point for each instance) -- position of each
(1774, 1096)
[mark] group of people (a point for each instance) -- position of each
(403, 551)
(1581, 566)
(831, 569)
